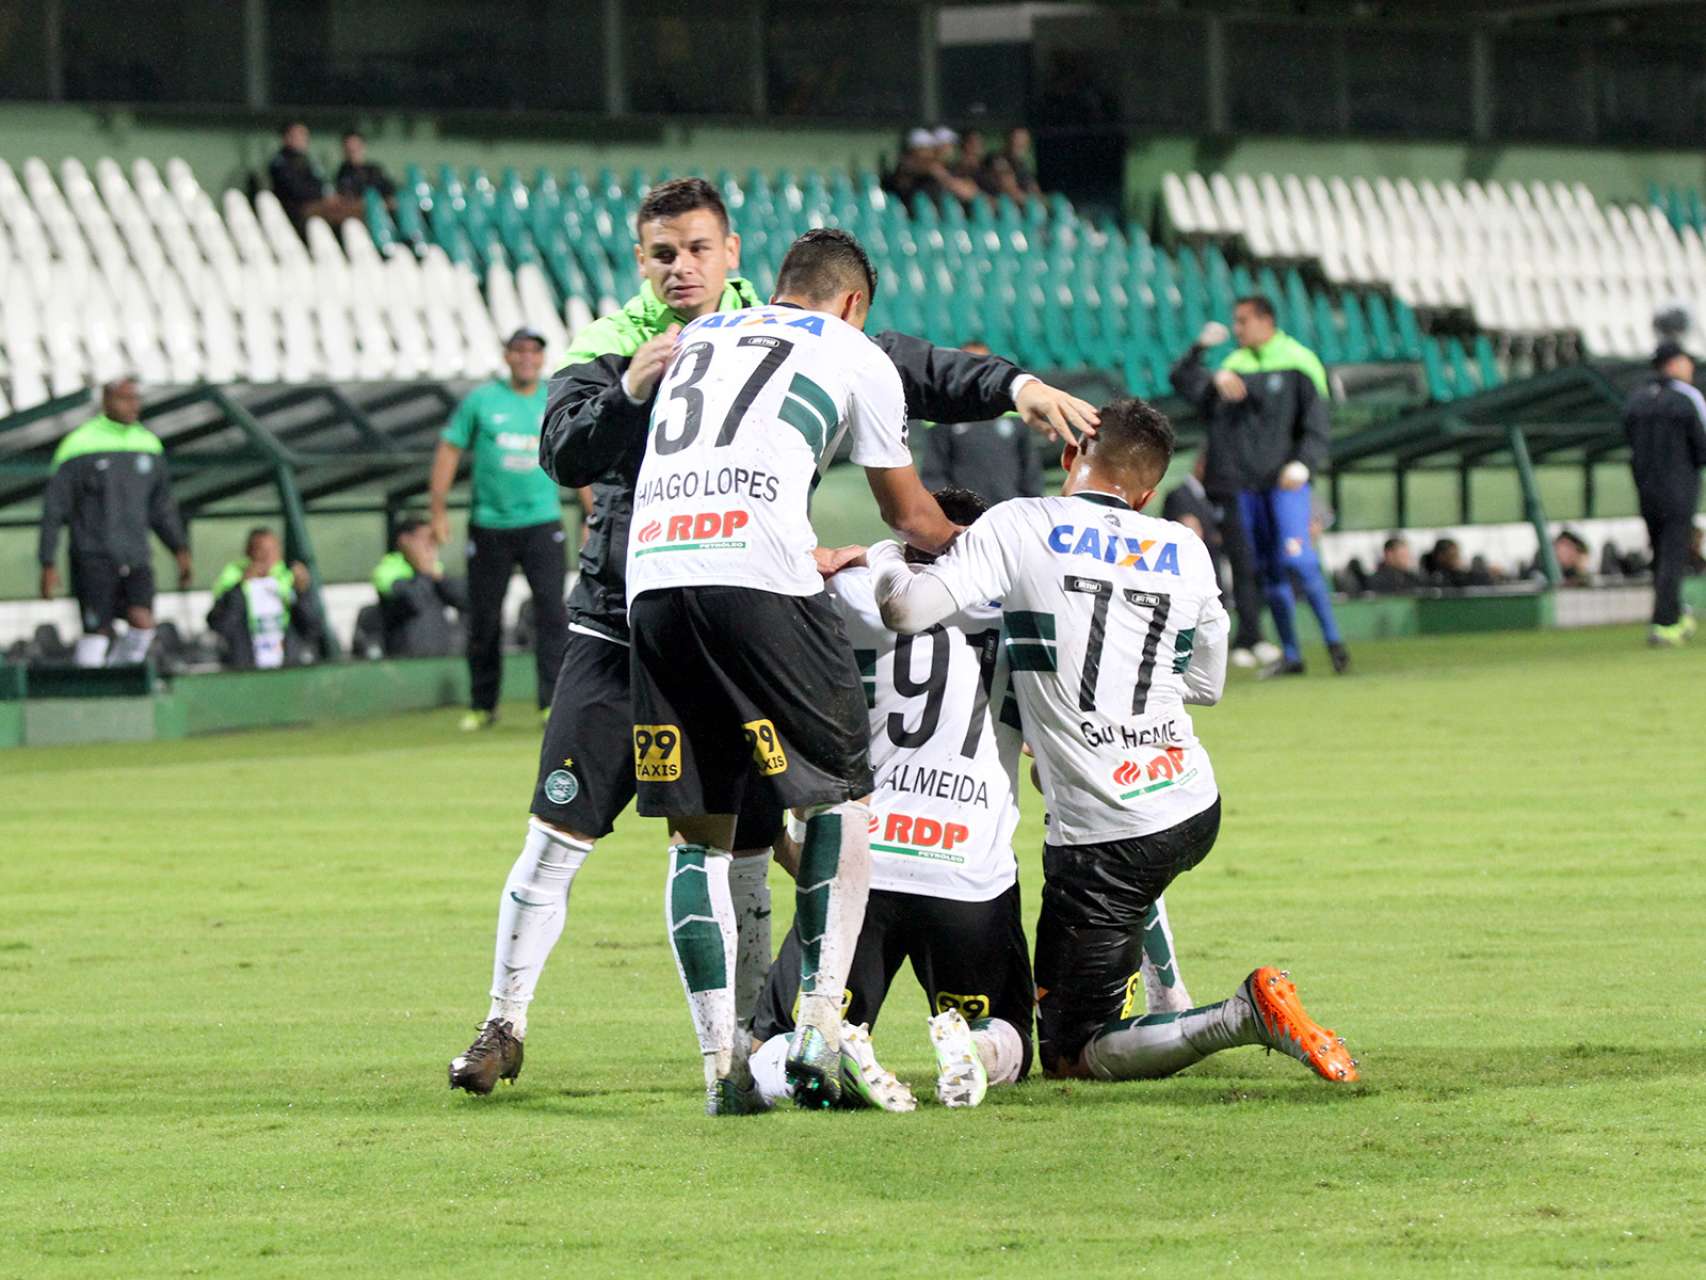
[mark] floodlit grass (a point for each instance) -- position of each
(232, 971)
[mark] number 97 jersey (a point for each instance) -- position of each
(944, 749)
(753, 405)
(1104, 607)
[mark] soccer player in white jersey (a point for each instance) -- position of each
(741, 668)
(944, 882)
(1113, 623)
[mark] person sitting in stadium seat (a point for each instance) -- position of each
(414, 593)
(298, 184)
(1012, 172)
(1396, 573)
(1575, 566)
(263, 612)
(357, 175)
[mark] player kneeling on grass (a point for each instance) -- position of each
(1113, 623)
(944, 882)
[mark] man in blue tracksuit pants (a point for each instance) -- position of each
(1268, 401)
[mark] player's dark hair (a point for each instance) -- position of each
(1573, 538)
(354, 133)
(1392, 543)
(406, 527)
(678, 196)
(962, 506)
(1134, 437)
(823, 263)
(1260, 303)
(255, 534)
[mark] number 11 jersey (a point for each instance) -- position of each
(1102, 608)
(752, 407)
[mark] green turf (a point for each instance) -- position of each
(232, 971)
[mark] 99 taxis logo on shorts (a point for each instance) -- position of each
(657, 752)
(701, 531)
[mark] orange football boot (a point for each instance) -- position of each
(1286, 1026)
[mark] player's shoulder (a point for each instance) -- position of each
(621, 333)
(853, 592)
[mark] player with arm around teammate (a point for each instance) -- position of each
(594, 435)
(741, 668)
(1113, 625)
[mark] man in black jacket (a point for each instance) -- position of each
(1268, 404)
(263, 612)
(1219, 474)
(595, 434)
(1665, 423)
(109, 484)
(414, 593)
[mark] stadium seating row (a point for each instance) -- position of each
(1524, 260)
(112, 271)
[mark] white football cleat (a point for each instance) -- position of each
(1267, 653)
(863, 1077)
(1245, 658)
(961, 1080)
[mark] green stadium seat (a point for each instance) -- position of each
(1356, 345)
(1434, 369)
(1409, 331)
(1487, 362)
(1382, 336)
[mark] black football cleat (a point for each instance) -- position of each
(1284, 667)
(495, 1055)
(1341, 657)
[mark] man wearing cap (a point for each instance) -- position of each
(109, 484)
(515, 518)
(1665, 424)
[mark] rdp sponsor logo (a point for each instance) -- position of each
(1157, 774)
(701, 531)
(919, 837)
(1144, 554)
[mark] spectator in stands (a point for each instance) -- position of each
(1665, 424)
(109, 484)
(973, 155)
(996, 460)
(263, 611)
(357, 175)
(1575, 565)
(1444, 567)
(961, 186)
(924, 168)
(1011, 172)
(516, 518)
(414, 594)
(298, 184)
(1268, 414)
(1396, 573)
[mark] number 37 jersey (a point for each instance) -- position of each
(751, 408)
(1104, 607)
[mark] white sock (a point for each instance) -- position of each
(531, 915)
(1163, 984)
(132, 647)
(701, 919)
(1001, 1047)
(749, 891)
(833, 886)
(1160, 1044)
(769, 1069)
(92, 650)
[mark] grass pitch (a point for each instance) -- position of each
(232, 971)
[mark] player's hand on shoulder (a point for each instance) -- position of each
(646, 368)
(1230, 386)
(832, 560)
(1055, 413)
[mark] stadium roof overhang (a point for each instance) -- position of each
(1570, 415)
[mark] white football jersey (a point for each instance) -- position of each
(1102, 608)
(945, 759)
(748, 414)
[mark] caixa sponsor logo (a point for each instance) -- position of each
(1144, 554)
(918, 837)
(700, 531)
(1160, 771)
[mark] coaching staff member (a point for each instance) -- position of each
(109, 484)
(1665, 423)
(516, 518)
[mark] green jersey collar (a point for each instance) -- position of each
(651, 313)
